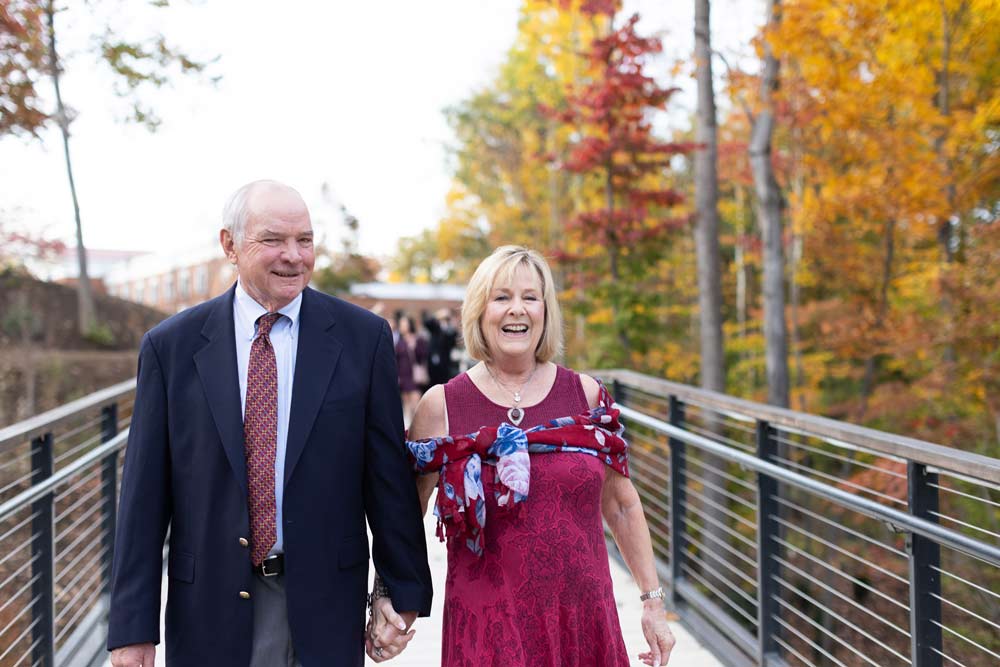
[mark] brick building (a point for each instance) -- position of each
(172, 283)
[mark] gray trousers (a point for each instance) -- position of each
(272, 639)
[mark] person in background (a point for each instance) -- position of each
(442, 337)
(411, 359)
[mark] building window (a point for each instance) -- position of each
(201, 280)
(151, 292)
(184, 284)
(168, 287)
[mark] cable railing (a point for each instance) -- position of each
(794, 540)
(784, 539)
(59, 475)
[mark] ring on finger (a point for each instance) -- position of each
(378, 651)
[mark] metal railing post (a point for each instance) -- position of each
(42, 556)
(925, 580)
(677, 499)
(618, 392)
(767, 547)
(109, 488)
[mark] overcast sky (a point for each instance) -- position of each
(344, 93)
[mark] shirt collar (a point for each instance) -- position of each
(247, 310)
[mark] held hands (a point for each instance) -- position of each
(134, 655)
(657, 632)
(387, 633)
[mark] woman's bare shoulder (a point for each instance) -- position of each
(430, 417)
(590, 389)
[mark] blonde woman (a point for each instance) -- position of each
(522, 501)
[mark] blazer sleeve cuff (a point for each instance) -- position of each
(129, 629)
(411, 597)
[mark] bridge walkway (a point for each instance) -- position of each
(425, 649)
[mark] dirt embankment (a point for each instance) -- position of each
(45, 362)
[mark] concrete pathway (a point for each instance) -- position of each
(425, 649)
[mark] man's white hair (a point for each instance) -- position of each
(237, 209)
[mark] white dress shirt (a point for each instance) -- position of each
(284, 336)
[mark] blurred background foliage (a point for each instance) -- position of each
(887, 154)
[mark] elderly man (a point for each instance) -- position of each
(267, 428)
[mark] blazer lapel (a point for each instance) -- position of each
(316, 358)
(216, 364)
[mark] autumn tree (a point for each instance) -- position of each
(619, 235)
(344, 264)
(416, 259)
(507, 151)
(507, 186)
(29, 53)
(19, 245)
(22, 56)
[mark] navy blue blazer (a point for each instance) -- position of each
(185, 468)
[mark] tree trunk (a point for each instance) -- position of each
(742, 284)
(554, 235)
(707, 198)
(769, 214)
(794, 288)
(84, 292)
(621, 332)
(996, 426)
(713, 372)
(741, 295)
(796, 301)
(946, 230)
(868, 381)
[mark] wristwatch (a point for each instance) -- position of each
(649, 595)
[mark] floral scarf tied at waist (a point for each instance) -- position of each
(461, 507)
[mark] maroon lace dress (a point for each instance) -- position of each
(541, 594)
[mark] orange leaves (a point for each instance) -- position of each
(22, 62)
(886, 151)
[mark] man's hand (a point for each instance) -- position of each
(388, 632)
(134, 655)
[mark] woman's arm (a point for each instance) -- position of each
(623, 513)
(429, 421)
(622, 510)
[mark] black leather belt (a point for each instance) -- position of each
(272, 566)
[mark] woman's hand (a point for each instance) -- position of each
(657, 632)
(387, 634)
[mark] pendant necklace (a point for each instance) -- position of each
(515, 413)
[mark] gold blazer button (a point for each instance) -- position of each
(244, 595)
(244, 542)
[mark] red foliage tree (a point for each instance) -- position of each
(22, 56)
(619, 155)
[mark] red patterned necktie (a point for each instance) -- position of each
(260, 439)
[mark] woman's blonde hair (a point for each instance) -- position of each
(499, 268)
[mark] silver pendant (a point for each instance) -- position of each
(515, 415)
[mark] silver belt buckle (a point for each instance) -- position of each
(273, 560)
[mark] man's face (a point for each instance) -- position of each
(275, 258)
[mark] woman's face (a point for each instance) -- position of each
(404, 326)
(514, 318)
